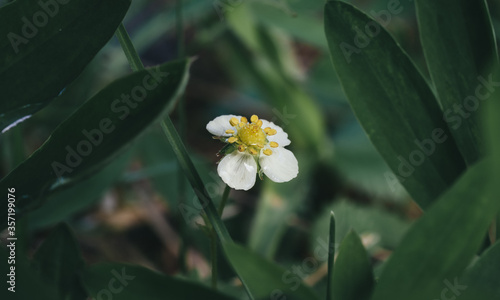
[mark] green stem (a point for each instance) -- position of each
(128, 48)
(195, 179)
(213, 253)
(331, 258)
(177, 145)
(497, 222)
(181, 105)
(213, 249)
(181, 153)
(223, 201)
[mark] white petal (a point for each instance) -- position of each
(281, 166)
(219, 125)
(238, 170)
(281, 137)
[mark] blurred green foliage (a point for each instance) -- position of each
(133, 226)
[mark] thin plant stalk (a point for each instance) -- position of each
(181, 110)
(211, 213)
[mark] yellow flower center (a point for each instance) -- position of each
(252, 134)
(251, 137)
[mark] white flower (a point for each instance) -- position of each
(254, 144)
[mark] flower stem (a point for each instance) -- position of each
(195, 179)
(182, 155)
(331, 258)
(213, 248)
(223, 201)
(213, 254)
(181, 110)
(128, 48)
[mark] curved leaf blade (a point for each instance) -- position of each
(62, 204)
(442, 242)
(459, 43)
(45, 45)
(58, 261)
(129, 282)
(25, 284)
(393, 103)
(264, 279)
(98, 131)
(353, 274)
(481, 280)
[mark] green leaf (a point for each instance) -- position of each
(459, 43)
(160, 166)
(276, 79)
(481, 280)
(393, 103)
(276, 203)
(59, 262)
(129, 282)
(63, 203)
(387, 227)
(27, 284)
(492, 129)
(264, 279)
(45, 45)
(442, 242)
(305, 27)
(97, 131)
(353, 275)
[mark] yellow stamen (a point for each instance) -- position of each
(271, 131)
(243, 120)
(230, 131)
(260, 146)
(242, 148)
(254, 118)
(241, 125)
(232, 139)
(233, 121)
(259, 123)
(252, 151)
(273, 144)
(268, 152)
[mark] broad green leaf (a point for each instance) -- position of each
(276, 203)
(129, 282)
(492, 120)
(270, 220)
(393, 103)
(274, 73)
(481, 281)
(97, 131)
(45, 45)
(304, 26)
(387, 227)
(459, 43)
(443, 241)
(61, 204)
(264, 279)
(160, 166)
(59, 262)
(353, 275)
(27, 285)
